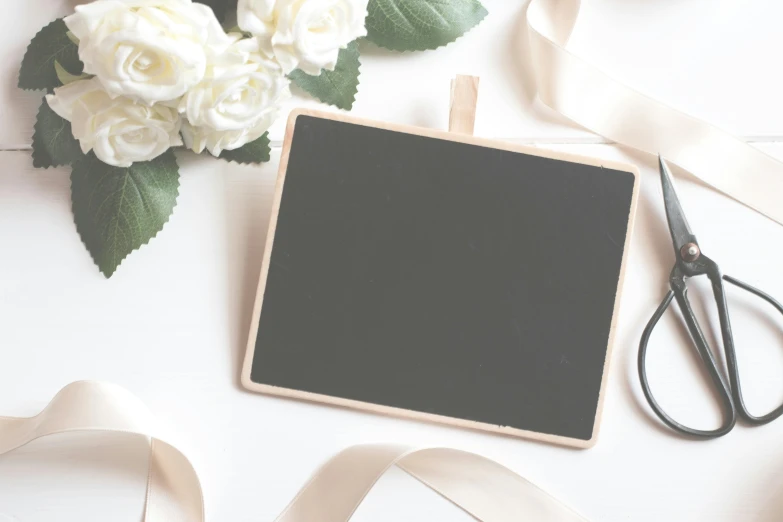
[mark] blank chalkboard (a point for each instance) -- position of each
(441, 276)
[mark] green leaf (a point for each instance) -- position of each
(50, 45)
(336, 87)
(53, 141)
(222, 8)
(418, 25)
(254, 152)
(117, 210)
(65, 77)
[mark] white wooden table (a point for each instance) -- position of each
(171, 325)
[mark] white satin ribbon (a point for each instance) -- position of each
(481, 487)
(592, 99)
(173, 488)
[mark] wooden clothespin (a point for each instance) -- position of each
(462, 114)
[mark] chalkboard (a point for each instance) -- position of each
(442, 277)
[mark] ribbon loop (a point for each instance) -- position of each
(592, 99)
(481, 487)
(173, 489)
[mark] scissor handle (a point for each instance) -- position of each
(727, 403)
(733, 403)
(731, 358)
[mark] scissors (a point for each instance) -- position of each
(691, 262)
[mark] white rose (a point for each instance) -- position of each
(149, 50)
(237, 101)
(257, 17)
(200, 138)
(119, 130)
(304, 34)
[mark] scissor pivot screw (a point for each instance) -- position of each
(690, 252)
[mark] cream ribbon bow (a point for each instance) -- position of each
(481, 487)
(589, 97)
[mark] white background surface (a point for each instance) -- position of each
(171, 325)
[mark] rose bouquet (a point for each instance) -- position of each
(128, 81)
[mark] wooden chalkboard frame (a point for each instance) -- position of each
(250, 385)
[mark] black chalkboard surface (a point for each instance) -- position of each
(442, 277)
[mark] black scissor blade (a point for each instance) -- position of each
(678, 224)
